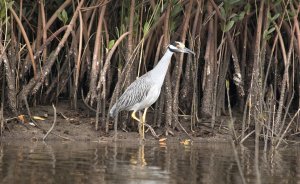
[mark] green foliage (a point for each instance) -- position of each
(228, 26)
(176, 10)
(111, 44)
(175, 18)
(173, 26)
(227, 84)
(63, 16)
(272, 19)
(146, 15)
(4, 5)
(267, 33)
(276, 2)
(229, 4)
(232, 18)
(247, 8)
(241, 16)
(291, 13)
(146, 28)
(223, 13)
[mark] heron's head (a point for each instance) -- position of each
(179, 47)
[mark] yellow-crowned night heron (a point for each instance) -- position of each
(145, 90)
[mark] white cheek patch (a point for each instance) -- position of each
(172, 47)
(180, 45)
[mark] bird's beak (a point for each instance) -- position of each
(186, 50)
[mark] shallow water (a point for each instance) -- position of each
(84, 162)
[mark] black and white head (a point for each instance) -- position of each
(179, 47)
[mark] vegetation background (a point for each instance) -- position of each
(246, 63)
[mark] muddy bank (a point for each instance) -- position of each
(79, 125)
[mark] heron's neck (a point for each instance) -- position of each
(160, 70)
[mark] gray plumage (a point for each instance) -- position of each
(133, 95)
(144, 91)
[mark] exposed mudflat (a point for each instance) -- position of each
(79, 125)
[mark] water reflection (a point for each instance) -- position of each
(86, 162)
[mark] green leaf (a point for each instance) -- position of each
(227, 84)
(111, 44)
(10, 4)
(271, 30)
(118, 32)
(223, 13)
(234, 1)
(146, 28)
(3, 4)
(265, 34)
(2, 14)
(238, 17)
(247, 8)
(291, 13)
(123, 29)
(176, 10)
(275, 17)
(241, 15)
(227, 6)
(232, 16)
(172, 26)
(269, 15)
(228, 26)
(63, 16)
(276, 3)
(126, 20)
(268, 37)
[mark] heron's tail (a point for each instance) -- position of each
(113, 111)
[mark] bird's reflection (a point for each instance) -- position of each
(142, 160)
(139, 158)
(70, 162)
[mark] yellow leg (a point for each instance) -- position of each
(143, 122)
(133, 115)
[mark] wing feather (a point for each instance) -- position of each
(135, 93)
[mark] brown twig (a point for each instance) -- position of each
(152, 130)
(51, 128)
(92, 94)
(51, 59)
(56, 13)
(238, 76)
(78, 63)
(107, 61)
(48, 41)
(179, 64)
(10, 79)
(53, 125)
(102, 79)
(287, 63)
(168, 85)
(26, 40)
(176, 118)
